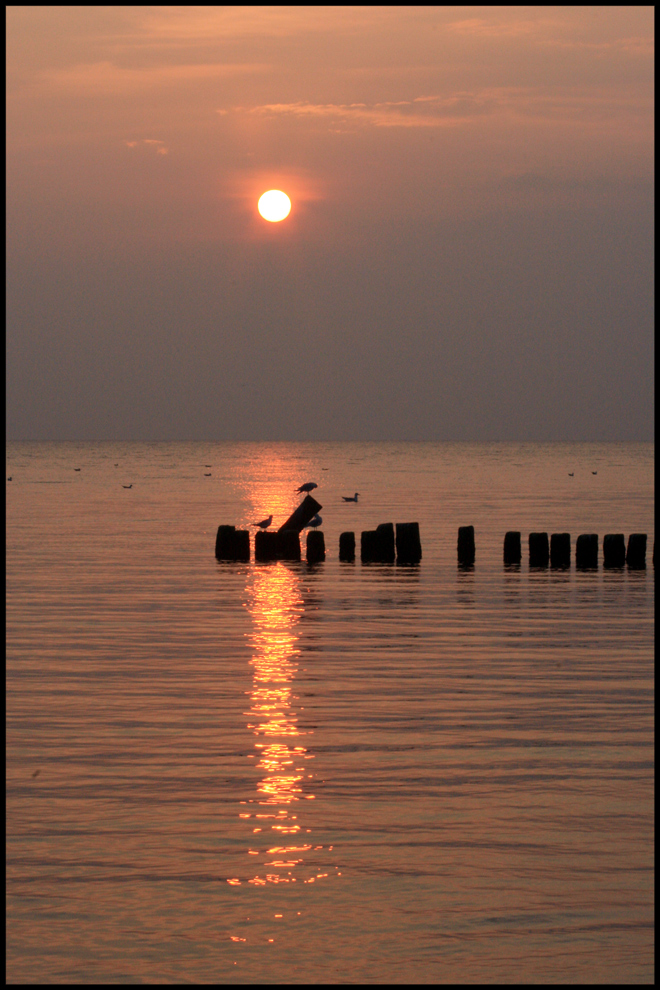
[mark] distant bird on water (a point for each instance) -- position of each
(313, 523)
(571, 474)
(354, 499)
(265, 523)
(128, 486)
(8, 479)
(594, 472)
(310, 486)
(207, 475)
(76, 469)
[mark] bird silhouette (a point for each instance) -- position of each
(316, 521)
(594, 472)
(76, 469)
(8, 479)
(308, 487)
(128, 486)
(207, 475)
(571, 474)
(354, 499)
(265, 523)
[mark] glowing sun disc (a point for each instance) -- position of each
(274, 205)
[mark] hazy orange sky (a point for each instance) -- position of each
(468, 255)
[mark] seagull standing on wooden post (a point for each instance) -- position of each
(308, 487)
(265, 523)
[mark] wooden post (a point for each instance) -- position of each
(288, 545)
(539, 551)
(305, 512)
(408, 543)
(512, 551)
(232, 544)
(369, 546)
(315, 546)
(266, 546)
(586, 551)
(347, 546)
(242, 544)
(560, 550)
(636, 553)
(614, 550)
(385, 538)
(465, 546)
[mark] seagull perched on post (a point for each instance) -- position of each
(308, 487)
(354, 499)
(313, 523)
(265, 523)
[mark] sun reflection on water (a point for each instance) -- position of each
(275, 604)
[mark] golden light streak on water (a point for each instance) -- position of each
(275, 605)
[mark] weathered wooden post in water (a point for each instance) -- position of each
(586, 551)
(512, 550)
(315, 546)
(539, 551)
(369, 546)
(385, 534)
(232, 543)
(560, 550)
(614, 550)
(266, 546)
(465, 546)
(305, 512)
(636, 552)
(289, 544)
(408, 543)
(377, 545)
(347, 547)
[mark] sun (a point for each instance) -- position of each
(274, 205)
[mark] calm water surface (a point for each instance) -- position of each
(244, 773)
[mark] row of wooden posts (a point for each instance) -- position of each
(403, 545)
(556, 552)
(381, 545)
(385, 545)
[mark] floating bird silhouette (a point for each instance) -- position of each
(76, 469)
(571, 474)
(128, 486)
(207, 465)
(265, 523)
(594, 472)
(207, 475)
(313, 523)
(308, 487)
(347, 499)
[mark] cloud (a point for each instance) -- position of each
(421, 111)
(152, 143)
(463, 107)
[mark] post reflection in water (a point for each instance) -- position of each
(281, 841)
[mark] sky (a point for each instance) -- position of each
(468, 255)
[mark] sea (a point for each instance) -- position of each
(228, 772)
